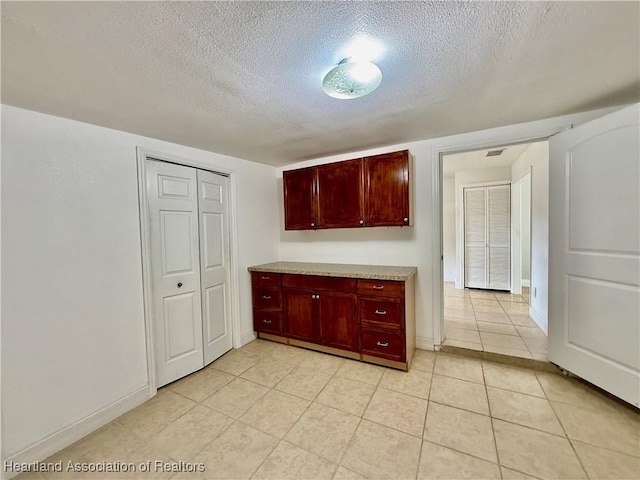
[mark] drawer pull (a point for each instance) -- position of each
(381, 312)
(266, 297)
(382, 344)
(266, 321)
(378, 287)
(265, 277)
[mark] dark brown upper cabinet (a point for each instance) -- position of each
(340, 195)
(366, 192)
(386, 187)
(299, 199)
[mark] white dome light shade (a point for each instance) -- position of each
(350, 79)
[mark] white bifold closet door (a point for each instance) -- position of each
(189, 240)
(487, 242)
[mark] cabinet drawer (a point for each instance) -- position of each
(385, 344)
(386, 311)
(383, 288)
(267, 321)
(312, 282)
(267, 298)
(266, 279)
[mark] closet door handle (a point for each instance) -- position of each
(179, 284)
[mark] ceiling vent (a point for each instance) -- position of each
(495, 153)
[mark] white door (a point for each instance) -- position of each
(175, 270)
(487, 237)
(594, 252)
(213, 209)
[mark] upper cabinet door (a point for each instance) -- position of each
(340, 195)
(299, 199)
(387, 189)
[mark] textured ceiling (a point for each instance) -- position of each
(243, 78)
(478, 159)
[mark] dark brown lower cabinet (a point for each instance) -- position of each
(371, 320)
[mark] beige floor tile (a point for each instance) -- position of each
(260, 347)
(508, 297)
(543, 357)
(459, 343)
(536, 453)
(322, 362)
(606, 464)
(289, 355)
(275, 413)
(423, 360)
(493, 327)
(347, 395)
(437, 462)
(346, 474)
(397, 410)
(137, 457)
(530, 332)
(457, 313)
(478, 302)
(495, 317)
(461, 334)
(268, 372)
(509, 474)
(288, 461)
(303, 383)
(481, 294)
(515, 308)
(523, 320)
(324, 431)
(534, 412)
(569, 390)
(461, 430)
(459, 302)
(191, 432)
(507, 351)
(537, 345)
(459, 367)
(363, 372)
(619, 431)
(235, 362)
(460, 323)
(414, 382)
(111, 441)
(202, 384)
(459, 393)
(514, 379)
(488, 308)
(236, 453)
(379, 452)
(155, 414)
(456, 293)
(33, 476)
(507, 341)
(235, 398)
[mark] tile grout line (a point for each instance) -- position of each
(426, 413)
(493, 430)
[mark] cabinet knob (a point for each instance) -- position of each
(406, 220)
(361, 222)
(382, 344)
(313, 224)
(179, 284)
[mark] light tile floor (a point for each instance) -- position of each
(491, 321)
(276, 411)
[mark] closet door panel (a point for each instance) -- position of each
(499, 228)
(475, 237)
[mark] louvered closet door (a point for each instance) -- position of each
(487, 250)
(475, 237)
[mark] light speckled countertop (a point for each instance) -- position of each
(375, 272)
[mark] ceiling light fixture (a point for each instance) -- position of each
(351, 79)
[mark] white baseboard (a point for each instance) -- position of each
(459, 285)
(540, 319)
(424, 343)
(247, 337)
(66, 436)
(524, 283)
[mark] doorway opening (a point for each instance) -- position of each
(495, 249)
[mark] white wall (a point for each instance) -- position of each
(417, 245)
(536, 159)
(73, 338)
(466, 178)
(449, 229)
